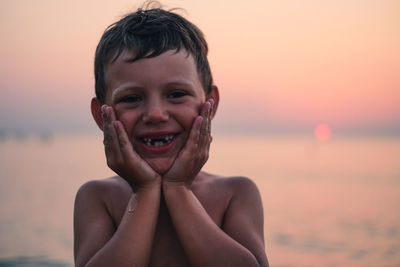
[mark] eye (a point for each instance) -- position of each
(130, 99)
(177, 94)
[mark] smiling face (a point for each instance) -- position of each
(156, 99)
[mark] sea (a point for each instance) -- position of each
(332, 203)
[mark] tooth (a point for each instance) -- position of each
(158, 143)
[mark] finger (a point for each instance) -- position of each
(205, 138)
(205, 112)
(210, 117)
(107, 130)
(207, 135)
(126, 145)
(211, 101)
(185, 157)
(113, 116)
(135, 170)
(111, 143)
(204, 131)
(124, 142)
(210, 120)
(194, 137)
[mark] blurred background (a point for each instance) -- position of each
(309, 110)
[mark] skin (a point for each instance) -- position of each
(161, 209)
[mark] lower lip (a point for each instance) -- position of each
(159, 149)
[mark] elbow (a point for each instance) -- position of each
(253, 261)
(259, 261)
(262, 262)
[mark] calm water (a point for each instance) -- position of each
(326, 204)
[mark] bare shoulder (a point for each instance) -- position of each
(96, 215)
(239, 195)
(104, 187)
(240, 183)
(244, 193)
(111, 193)
(243, 218)
(231, 185)
(218, 193)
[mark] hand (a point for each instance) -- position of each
(121, 157)
(195, 153)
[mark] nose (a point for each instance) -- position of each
(155, 112)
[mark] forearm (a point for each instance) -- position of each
(132, 242)
(205, 244)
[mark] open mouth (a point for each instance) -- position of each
(158, 141)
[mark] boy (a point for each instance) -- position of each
(154, 102)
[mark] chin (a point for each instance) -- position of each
(161, 165)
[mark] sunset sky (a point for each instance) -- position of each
(281, 66)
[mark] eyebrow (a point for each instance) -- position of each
(179, 83)
(124, 88)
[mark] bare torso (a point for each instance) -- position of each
(214, 193)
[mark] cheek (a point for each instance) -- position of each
(188, 114)
(196, 106)
(128, 119)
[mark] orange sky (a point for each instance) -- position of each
(280, 65)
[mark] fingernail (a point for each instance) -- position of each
(201, 120)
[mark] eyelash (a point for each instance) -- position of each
(135, 98)
(131, 99)
(177, 94)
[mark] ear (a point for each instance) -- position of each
(95, 106)
(214, 94)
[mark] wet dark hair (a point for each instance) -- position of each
(148, 33)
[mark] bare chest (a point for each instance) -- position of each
(167, 249)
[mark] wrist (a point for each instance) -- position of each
(171, 185)
(149, 186)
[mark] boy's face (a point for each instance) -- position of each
(156, 99)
